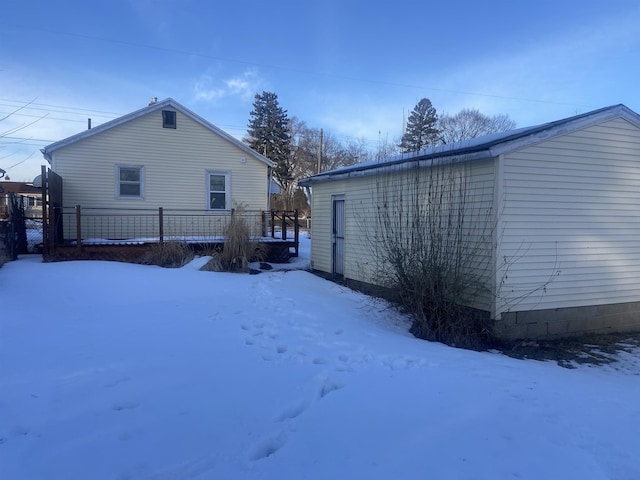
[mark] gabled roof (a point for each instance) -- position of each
(488, 146)
(164, 104)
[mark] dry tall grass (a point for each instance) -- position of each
(240, 247)
(168, 254)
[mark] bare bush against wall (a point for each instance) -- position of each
(433, 242)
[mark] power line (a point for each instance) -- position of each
(56, 109)
(93, 112)
(49, 118)
(296, 70)
(24, 139)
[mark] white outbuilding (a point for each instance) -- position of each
(551, 221)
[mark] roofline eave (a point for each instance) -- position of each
(423, 161)
(49, 149)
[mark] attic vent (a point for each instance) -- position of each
(168, 119)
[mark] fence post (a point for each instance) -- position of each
(78, 230)
(52, 236)
(13, 244)
(45, 214)
(296, 230)
(284, 225)
(161, 224)
(273, 224)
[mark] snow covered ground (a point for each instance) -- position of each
(117, 371)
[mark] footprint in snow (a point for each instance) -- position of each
(116, 382)
(328, 385)
(22, 430)
(267, 447)
(119, 406)
(292, 411)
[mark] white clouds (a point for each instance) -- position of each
(209, 88)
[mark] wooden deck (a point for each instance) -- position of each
(278, 251)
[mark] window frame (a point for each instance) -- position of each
(119, 195)
(227, 191)
(169, 114)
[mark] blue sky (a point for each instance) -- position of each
(354, 68)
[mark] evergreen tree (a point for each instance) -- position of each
(422, 130)
(268, 133)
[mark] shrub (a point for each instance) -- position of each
(432, 234)
(168, 254)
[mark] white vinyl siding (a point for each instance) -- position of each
(175, 161)
(361, 196)
(570, 226)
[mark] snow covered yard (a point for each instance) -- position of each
(138, 372)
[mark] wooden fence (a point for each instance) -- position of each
(52, 231)
(13, 233)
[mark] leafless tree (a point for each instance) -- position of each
(387, 148)
(471, 123)
(307, 144)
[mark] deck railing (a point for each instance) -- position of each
(104, 225)
(81, 226)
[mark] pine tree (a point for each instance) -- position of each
(421, 128)
(269, 134)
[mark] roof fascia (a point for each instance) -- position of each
(392, 167)
(566, 127)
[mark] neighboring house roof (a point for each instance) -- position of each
(488, 146)
(19, 187)
(167, 103)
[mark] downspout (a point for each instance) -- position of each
(307, 193)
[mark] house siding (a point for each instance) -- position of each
(362, 196)
(175, 163)
(570, 225)
(357, 264)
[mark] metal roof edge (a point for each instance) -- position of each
(493, 147)
(565, 126)
(458, 157)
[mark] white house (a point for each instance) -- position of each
(561, 203)
(162, 155)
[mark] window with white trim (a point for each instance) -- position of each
(219, 190)
(129, 181)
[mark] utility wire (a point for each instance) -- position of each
(294, 70)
